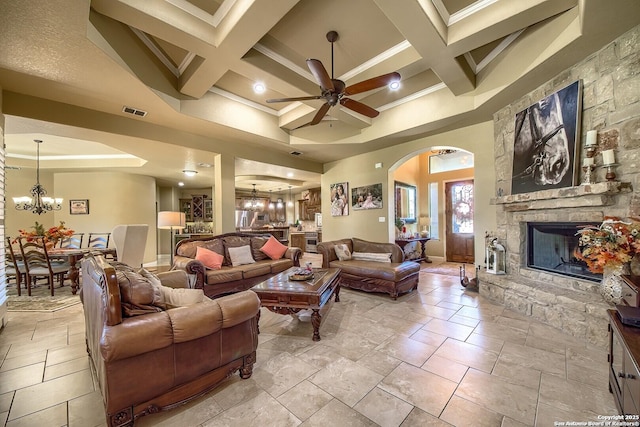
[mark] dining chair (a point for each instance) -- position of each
(14, 267)
(98, 240)
(37, 263)
(72, 242)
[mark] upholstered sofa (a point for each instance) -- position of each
(227, 278)
(372, 267)
(154, 347)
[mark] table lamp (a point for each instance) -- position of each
(425, 223)
(173, 221)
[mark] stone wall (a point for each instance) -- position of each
(610, 105)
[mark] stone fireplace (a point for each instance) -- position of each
(569, 299)
(611, 106)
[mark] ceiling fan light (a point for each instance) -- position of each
(259, 87)
(394, 85)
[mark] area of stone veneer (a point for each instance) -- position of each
(611, 105)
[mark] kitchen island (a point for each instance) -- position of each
(280, 232)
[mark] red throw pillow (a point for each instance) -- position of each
(210, 259)
(273, 248)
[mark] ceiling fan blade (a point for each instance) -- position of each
(320, 114)
(320, 73)
(371, 84)
(300, 98)
(359, 107)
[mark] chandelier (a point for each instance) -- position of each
(38, 203)
(254, 204)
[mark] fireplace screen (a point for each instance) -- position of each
(550, 247)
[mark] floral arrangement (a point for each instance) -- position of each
(614, 242)
(53, 234)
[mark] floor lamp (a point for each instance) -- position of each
(173, 221)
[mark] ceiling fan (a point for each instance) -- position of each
(334, 91)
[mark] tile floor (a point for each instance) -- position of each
(439, 356)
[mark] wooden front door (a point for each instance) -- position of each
(459, 221)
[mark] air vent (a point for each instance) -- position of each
(134, 111)
(295, 153)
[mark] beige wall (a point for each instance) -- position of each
(114, 198)
(360, 170)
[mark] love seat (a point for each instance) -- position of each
(154, 347)
(228, 278)
(371, 266)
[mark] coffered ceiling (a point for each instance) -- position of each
(191, 65)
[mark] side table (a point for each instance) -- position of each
(422, 241)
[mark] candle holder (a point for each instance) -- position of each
(590, 151)
(589, 176)
(611, 174)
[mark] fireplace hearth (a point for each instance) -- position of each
(551, 245)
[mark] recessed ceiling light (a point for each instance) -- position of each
(205, 165)
(289, 174)
(181, 184)
(394, 85)
(188, 172)
(259, 87)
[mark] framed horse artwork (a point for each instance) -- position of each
(546, 142)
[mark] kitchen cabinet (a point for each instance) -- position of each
(198, 208)
(298, 241)
(310, 206)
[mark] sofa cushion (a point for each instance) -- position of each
(195, 321)
(240, 255)
(371, 256)
(280, 265)
(225, 274)
(342, 252)
(273, 248)
(137, 294)
(256, 244)
(255, 269)
(210, 259)
(188, 249)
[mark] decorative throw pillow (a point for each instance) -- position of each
(371, 256)
(342, 252)
(158, 297)
(179, 297)
(210, 259)
(137, 294)
(241, 255)
(273, 248)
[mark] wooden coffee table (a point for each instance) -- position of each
(284, 296)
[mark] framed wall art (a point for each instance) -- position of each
(79, 207)
(367, 197)
(546, 142)
(339, 199)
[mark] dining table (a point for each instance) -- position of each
(72, 256)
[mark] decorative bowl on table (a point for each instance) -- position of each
(301, 274)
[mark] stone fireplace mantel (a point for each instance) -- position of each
(586, 195)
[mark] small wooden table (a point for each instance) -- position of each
(422, 241)
(283, 296)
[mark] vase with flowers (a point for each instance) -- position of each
(609, 249)
(51, 236)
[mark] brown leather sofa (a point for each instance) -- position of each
(230, 279)
(151, 355)
(395, 277)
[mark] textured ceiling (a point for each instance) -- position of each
(192, 66)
